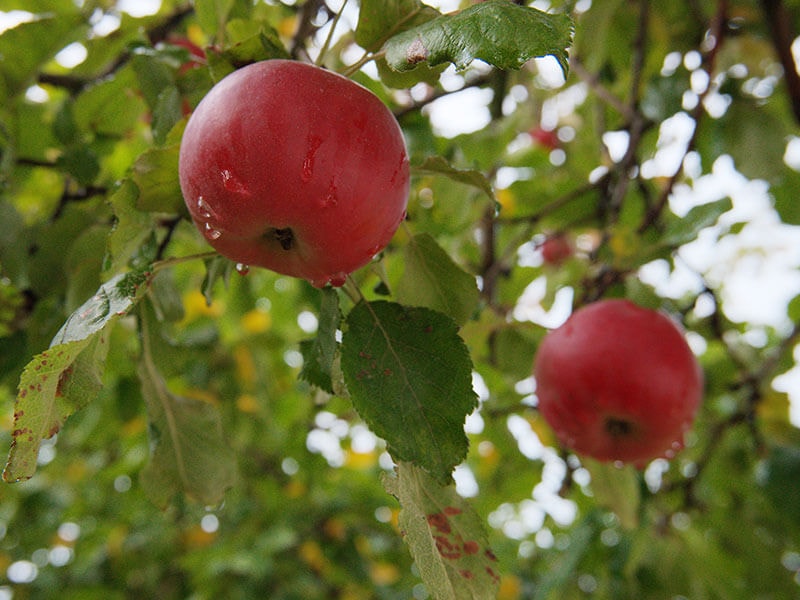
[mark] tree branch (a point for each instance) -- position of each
(779, 23)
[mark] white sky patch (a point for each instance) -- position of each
(71, 56)
(11, 19)
(466, 111)
(139, 8)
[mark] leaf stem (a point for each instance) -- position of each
(366, 58)
(166, 263)
(326, 46)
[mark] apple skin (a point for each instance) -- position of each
(287, 166)
(618, 382)
(556, 249)
(545, 137)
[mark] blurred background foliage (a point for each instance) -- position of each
(669, 154)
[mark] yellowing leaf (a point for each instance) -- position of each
(446, 537)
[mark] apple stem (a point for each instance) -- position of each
(368, 57)
(350, 288)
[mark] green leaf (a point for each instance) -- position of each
(683, 230)
(155, 172)
(786, 192)
(409, 375)
(188, 450)
(80, 162)
(617, 489)
(432, 279)
(131, 227)
(55, 384)
(108, 107)
(252, 41)
(154, 73)
(166, 113)
(28, 46)
(379, 20)
(218, 268)
(445, 535)
(319, 353)
(437, 165)
(580, 542)
(498, 32)
(64, 378)
(115, 298)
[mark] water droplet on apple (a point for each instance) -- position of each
(307, 172)
(210, 232)
(242, 269)
(337, 279)
(203, 209)
(232, 183)
(330, 199)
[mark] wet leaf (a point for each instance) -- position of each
(409, 375)
(498, 32)
(64, 378)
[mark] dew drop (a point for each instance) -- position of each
(211, 233)
(203, 209)
(330, 199)
(242, 269)
(232, 183)
(338, 279)
(308, 162)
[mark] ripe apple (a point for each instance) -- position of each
(291, 167)
(556, 249)
(545, 137)
(618, 382)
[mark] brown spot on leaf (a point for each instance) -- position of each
(446, 548)
(471, 547)
(416, 52)
(439, 522)
(62, 381)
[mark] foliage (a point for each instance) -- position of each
(182, 427)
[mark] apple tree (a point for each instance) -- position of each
(362, 418)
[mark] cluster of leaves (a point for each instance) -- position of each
(312, 431)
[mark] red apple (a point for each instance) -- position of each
(290, 167)
(545, 137)
(618, 382)
(556, 249)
